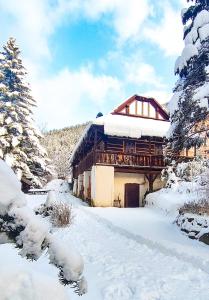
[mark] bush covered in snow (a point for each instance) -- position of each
(194, 226)
(60, 213)
(187, 187)
(31, 234)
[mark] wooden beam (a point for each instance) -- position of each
(136, 171)
(136, 107)
(148, 109)
(139, 116)
(151, 178)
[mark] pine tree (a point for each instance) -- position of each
(19, 138)
(189, 105)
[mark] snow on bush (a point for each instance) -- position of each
(70, 263)
(187, 183)
(31, 234)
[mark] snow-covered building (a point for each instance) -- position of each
(119, 157)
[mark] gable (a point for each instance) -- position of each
(142, 107)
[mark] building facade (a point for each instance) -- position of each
(119, 157)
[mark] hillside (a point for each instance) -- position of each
(59, 144)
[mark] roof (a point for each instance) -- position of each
(124, 126)
(119, 124)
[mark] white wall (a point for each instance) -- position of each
(122, 178)
(86, 179)
(75, 187)
(80, 184)
(158, 183)
(102, 185)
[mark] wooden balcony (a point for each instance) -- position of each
(119, 160)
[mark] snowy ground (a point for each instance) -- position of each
(129, 254)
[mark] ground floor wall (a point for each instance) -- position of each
(106, 188)
(121, 179)
(102, 186)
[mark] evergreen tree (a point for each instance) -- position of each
(189, 105)
(19, 138)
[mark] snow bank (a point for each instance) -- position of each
(185, 183)
(58, 185)
(51, 198)
(117, 125)
(10, 189)
(20, 284)
(167, 200)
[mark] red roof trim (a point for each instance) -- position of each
(138, 116)
(141, 98)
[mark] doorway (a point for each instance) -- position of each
(132, 194)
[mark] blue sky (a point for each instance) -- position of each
(86, 56)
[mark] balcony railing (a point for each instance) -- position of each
(119, 160)
(143, 160)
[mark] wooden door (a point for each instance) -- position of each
(131, 195)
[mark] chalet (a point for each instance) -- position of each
(119, 157)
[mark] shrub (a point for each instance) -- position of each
(200, 208)
(61, 214)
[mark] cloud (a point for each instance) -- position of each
(126, 17)
(33, 21)
(162, 96)
(141, 73)
(168, 35)
(29, 22)
(71, 97)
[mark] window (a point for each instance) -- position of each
(130, 147)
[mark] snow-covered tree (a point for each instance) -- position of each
(189, 104)
(19, 138)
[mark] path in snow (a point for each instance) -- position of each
(153, 228)
(120, 267)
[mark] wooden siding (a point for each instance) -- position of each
(118, 160)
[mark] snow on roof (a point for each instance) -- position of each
(125, 126)
(117, 125)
